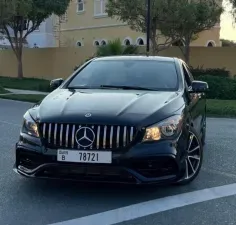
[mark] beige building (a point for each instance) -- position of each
(86, 24)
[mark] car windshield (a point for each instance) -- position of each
(127, 74)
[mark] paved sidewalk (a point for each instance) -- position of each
(26, 92)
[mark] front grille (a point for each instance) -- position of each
(58, 135)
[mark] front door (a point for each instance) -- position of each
(196, 102)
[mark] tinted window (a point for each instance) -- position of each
(186, 76)
(140, 73)
(189, 72)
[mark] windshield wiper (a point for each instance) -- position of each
(126, 87)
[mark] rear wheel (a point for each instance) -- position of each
(194, 157)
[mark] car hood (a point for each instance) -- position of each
(128, 107)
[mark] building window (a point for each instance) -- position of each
(79, 44)
(100, 7)
(140, 41)
(103, 42)
(211, 44)
(96, 43)
(127, 41)
(80, 5)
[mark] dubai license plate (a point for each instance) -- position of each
(84, 156)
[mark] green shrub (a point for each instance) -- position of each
(115, 47)
(219, 87)
(199, 71)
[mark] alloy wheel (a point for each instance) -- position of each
(193, 158)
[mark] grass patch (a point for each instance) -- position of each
(24, 98)
(25, 84)
(221, 108)
(3, 91)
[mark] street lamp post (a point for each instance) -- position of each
(148, 26)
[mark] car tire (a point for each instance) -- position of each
(193, 162)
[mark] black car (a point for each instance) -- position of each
(125, 119)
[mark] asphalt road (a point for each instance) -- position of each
(30, 202)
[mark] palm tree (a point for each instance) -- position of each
(115, 47)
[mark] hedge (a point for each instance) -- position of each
(199, 71)
(219, 87)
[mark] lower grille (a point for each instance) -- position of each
(75, 136)
(156, 167)
(31, 160)
(92, 173)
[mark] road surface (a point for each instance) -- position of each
(210, 199)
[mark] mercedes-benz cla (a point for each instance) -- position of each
(128, 119)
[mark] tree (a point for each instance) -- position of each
(232, 6)
(6, 10)
(175, 20)
(133, 12)
(193, 17)
(25, 18)
(228, 43)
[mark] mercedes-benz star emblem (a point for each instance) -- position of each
(88, 115)
(85, 137)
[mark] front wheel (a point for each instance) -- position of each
(194, 157)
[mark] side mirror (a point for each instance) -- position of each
(54, 84)
(199, 86)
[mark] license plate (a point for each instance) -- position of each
(84, 156)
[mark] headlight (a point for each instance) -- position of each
(29, 126)
(167, 128)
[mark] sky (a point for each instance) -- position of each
(228, 27)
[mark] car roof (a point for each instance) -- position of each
(137, 57)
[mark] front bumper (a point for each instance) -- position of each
(157, 163)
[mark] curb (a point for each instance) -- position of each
(6, 94)
(26, 92)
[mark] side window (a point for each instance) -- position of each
(186, 76)
(189, 73)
